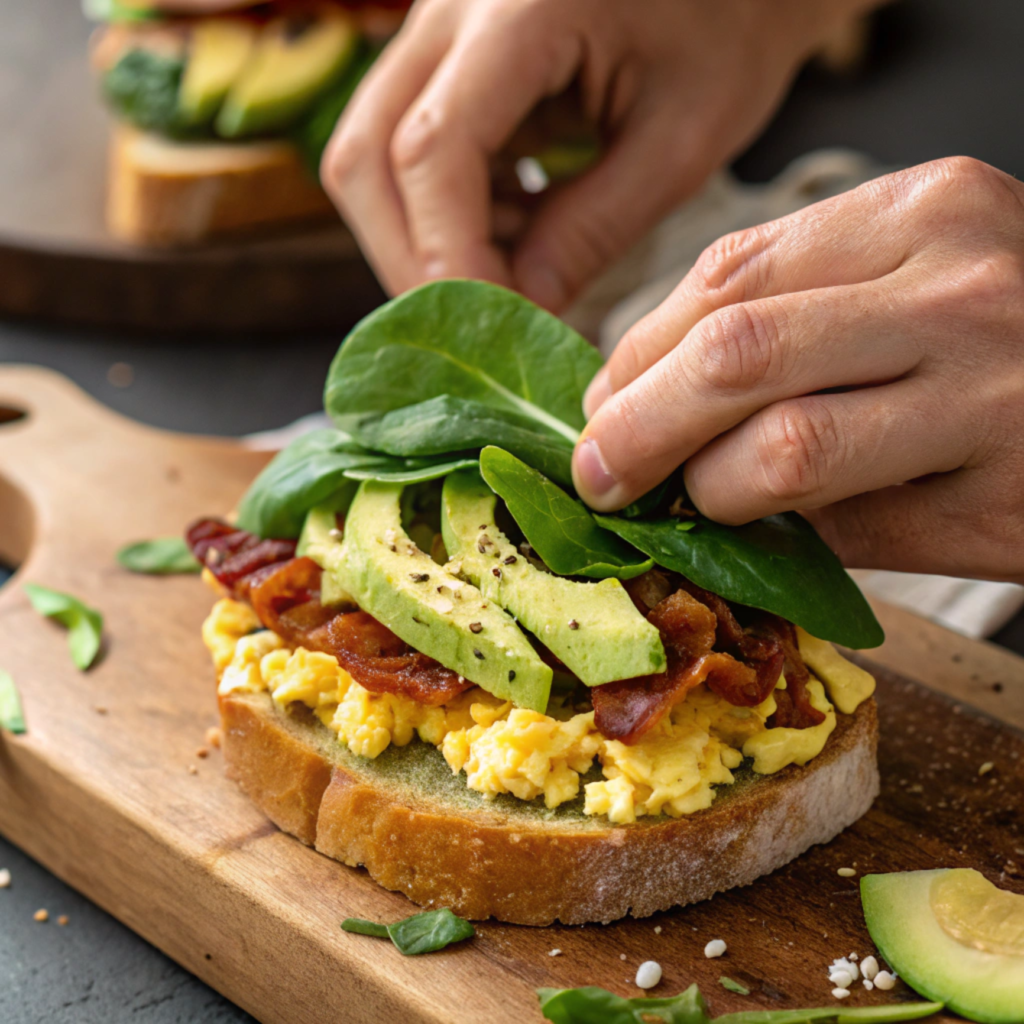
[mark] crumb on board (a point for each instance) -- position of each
(986, 768)
(657, 929)
(555, 952)
(41, 916)
(846, 872)
(101, 709)
(5, 878)
(193, 770)
(202, 752)
(214, 737)
(62, 920)
(715, 948)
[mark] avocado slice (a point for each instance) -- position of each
(321, 530)
(218, 51)
(938, 929)
(293, 60)
(594, 628)
(426, 605)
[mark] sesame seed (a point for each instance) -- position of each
(840, 993)
(478, 653)
(715, 948)
(555, 952)
(334, 533)
(648, 974)
(511, 560)
(846, 873)
(475, 627)
(41, 916)
(573, 624)
(5, 878)
(622, 956)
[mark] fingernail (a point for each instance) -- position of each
(542, 285)
(590, 472)
(599, 391)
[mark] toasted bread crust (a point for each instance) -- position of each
(482, 861)
(168, 193)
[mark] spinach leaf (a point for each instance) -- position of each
(411, 471)
(560, 529)
(307, 473)
(464, 339)
(429, 932)
(162, 556)
(779, 564)
(12, 717)
(448, 424)
(84, 624)
(733, 986)
(143, 88)
(594, 1005)
(421, 933)
(360, 926)
(892, 1013)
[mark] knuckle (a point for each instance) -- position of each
(418, 138)
(737, 348)
(798, 448)
(730, 264)
(343, 158)
(632, 420)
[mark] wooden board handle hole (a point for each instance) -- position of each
(17, 523)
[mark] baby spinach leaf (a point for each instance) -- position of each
(779, 564)
(410, 471)
(594, 1005)
(733, 986)
(465, 339)
(84, 624)
(162, 556)
(429, 932)
(561, 529)
(421, 933)
(12, 717)
(892, 1013)
(448, 424)
(360, 926)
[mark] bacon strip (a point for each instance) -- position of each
(234, 556)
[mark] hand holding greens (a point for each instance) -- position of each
(162, 556)
(12, 717)
(422, 933)
(84, 624)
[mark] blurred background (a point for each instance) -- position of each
(228, 328)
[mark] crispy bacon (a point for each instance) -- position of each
(234, 556)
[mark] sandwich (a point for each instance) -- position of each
(220, 121)
(437, 663)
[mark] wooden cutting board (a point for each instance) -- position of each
(108, 802)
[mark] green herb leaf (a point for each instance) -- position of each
(733, 986)
(360, 926)
(779, 564)
(162, 556)
(84, 624)
(12, 717)
(561, 529)
(463, 339)
(594, 1005)
(892, 1013)
(411, 471)
(429, 932)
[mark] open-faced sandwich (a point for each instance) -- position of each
(436, 662)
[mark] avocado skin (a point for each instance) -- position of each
(983, 987)
(286, 71)
(594, 628)
(416, 599)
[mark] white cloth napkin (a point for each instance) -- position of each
(648, 274)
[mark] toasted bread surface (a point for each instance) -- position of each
(419, 830)
(172, 193)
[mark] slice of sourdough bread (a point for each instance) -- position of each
(419, 830)
(173, 193)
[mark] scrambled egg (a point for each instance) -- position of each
(672, 770)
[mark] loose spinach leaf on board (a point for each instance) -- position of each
(84, 624)
(464, 339)
(446, 424)
(560, 529)
(779, 564)
(422, 933)
(12, 717)
(733, 986)
(162, 556)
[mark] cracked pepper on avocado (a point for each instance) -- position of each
(424, 573)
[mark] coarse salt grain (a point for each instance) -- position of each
(841, 979)
(844, 964)
(852, 956)
(5, 878)
(840, 993)
(869, 984)
(716, 947)
(648, 974)
(555, 952)
(884, 980)
(869, 968)
(846, 872)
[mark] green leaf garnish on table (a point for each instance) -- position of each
(162, 556)
(84, 624)
(560, 529)
(12, 716)
(422, 933)
(779, 564)
(598, 1006)
(733, 986)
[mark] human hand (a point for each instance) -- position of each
(677, 86)
(863, 358)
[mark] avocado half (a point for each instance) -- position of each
(981, 985)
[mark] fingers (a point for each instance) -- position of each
(733, 364)
(356, 168)
(813, 451)
(497, 70)
(846, 240)
(589, 223)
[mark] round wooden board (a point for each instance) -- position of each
(57, 260)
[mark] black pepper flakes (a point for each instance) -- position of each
(573, 624)
(496, 572)
(511, 674)
(419, 577)
(511, 560)
(476, 627)
(478, 653)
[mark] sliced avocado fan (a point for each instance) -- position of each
(218, 51)
(594, 628)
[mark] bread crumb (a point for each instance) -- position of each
(202, 752)
(648, 974)
(41, 916)
(622, 956)
(715, 948)
(62, 920)
(846, 872)
(193, 770)
(657, 929)
(555, 952)
(986, 768)
(5, 878)
(100, 709)
(214, 737)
